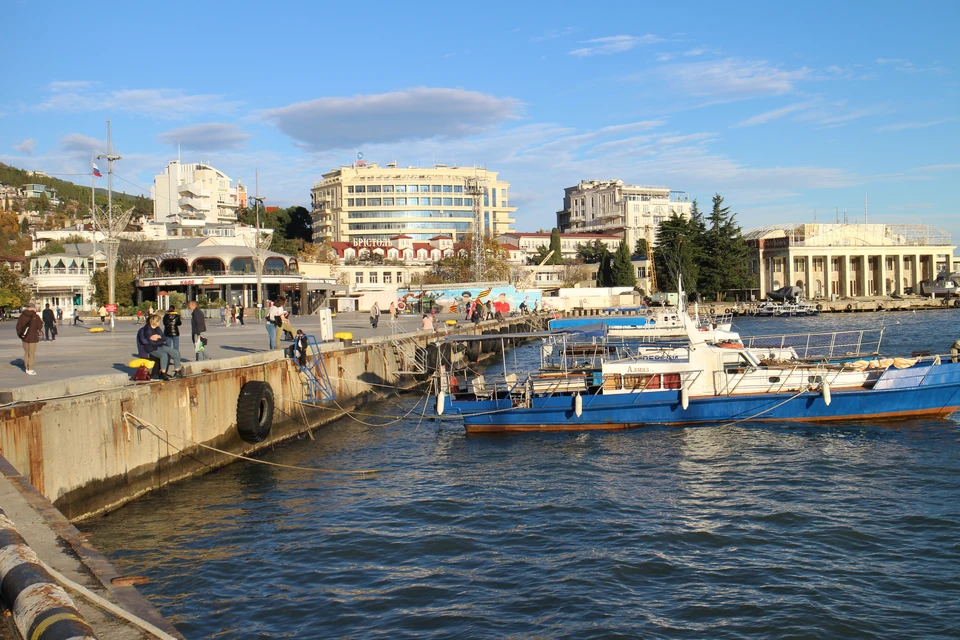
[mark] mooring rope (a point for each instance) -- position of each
(141, 424)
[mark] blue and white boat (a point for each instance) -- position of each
(705, 383)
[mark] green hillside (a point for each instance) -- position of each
(71, 193)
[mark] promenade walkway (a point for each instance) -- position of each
(77, 352)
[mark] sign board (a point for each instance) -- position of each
(111, 308)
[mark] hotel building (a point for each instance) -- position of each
(634, 212)
(195, 194)
(848, 260)
(369, 204)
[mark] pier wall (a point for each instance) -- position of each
(72, 442)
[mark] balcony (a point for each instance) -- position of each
(194, 203)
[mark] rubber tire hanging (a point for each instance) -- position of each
(255, 411)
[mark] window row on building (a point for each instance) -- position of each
(406, 202)
(405, 188)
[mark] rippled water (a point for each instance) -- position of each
(706, 532)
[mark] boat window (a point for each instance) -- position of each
(774, 379)
(612, 382)
(634, 381)
(815, 379)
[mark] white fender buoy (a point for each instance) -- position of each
(825, 389)
(684, 397)
(578, 405)
(440, 398)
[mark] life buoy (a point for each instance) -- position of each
(849, 307)
(819, 307)
(401, 305)
(255, 411)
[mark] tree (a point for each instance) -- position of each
(557, 257)
(591, 252)
(621, 272)
(320, 252)
(604, 275)
(13, 292)
(640, 248)
(52, 247)
(125, 277)
(725, 255)
(573, 274)
(132, 251)
(677, 253)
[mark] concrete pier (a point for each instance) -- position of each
(75, 442)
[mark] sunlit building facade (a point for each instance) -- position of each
(369, 204)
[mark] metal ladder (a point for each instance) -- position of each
(317, 386)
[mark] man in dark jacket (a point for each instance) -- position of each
(29, 327)
(198, 326)
(171, 327)
(49, 324)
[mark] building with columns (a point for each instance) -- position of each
(848, 260)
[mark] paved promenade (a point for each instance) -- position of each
(77, 352)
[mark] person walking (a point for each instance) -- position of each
(76, 316)
(272, 325)
(393, 310)
(233, 314)
(102, 312)
(281, 318)
(49, 324)
(29, 328)
(59, 314)
(240, 313)
(150, 345)
(171, 328)
(374, 315)
(198, 326)
(223, 316)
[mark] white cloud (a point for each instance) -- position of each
(905, 66)
(552, 34)
(79, 144)
(914, 125)
(419, 113)
(27, 147)
(695, 52)
(81, 95)
(209, 136)
(614, 44)
(732, 79)
(775, 114)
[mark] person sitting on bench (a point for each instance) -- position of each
(151, 345)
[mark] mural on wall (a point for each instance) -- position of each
(504, 298)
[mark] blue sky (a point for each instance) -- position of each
(782, 109)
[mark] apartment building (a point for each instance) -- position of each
(610, 206)
(366, 204)
(195, 193)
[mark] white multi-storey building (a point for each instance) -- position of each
(370, 204)
(195, 194)
(634, 212)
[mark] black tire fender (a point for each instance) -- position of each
(819, 307)
(255, 411)
(956, 303)
(726, 312)
(945, 302)
(880, 307)
(849, 307)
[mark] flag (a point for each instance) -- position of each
(483, 294)
(96, 171)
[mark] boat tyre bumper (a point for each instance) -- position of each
(255, 411)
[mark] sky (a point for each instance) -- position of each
(791, 111)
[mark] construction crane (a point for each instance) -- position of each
(527, 282)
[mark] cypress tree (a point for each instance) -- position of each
(557, 257)
(621, 273)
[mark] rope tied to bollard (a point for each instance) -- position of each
(143, 425)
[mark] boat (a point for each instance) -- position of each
(795, 309)
(947, 284)
(653, 324)
(705, 383)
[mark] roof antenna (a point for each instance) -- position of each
(866, 210)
